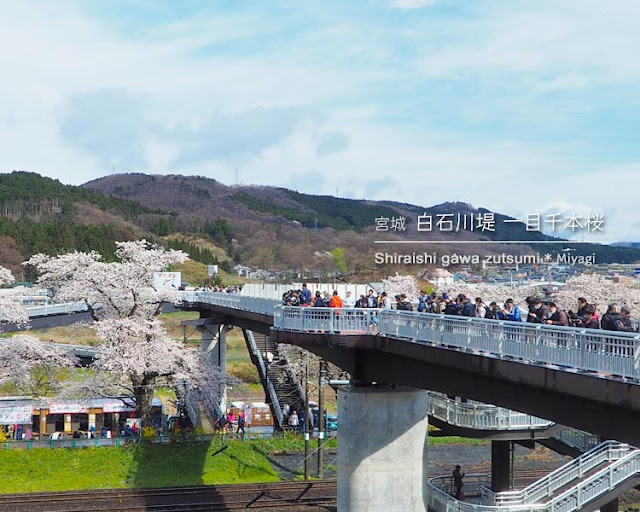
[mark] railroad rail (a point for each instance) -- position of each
(199, 498)
(276, 496)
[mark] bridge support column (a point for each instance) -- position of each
(612, 506)
(500, 465)
(382, 452)
(213, 343)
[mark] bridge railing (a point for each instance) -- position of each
(617, 353)
(230, 300)
(334, 320)
(480, 416)
(582, 441)
(574, 470)
(56, 309)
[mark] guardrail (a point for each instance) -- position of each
(480, 416)
(56, 309)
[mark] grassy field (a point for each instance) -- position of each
(134, 466)
(41, 469)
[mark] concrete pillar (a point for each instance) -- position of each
(382, 452)
(500, 465)
(612, 506)
(213, 340)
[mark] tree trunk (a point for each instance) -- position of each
(144, 396)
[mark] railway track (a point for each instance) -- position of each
(203, 498)
(277, 496)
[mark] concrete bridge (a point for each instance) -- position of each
(586, 379)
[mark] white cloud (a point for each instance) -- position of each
(339, 101)
(411, 4)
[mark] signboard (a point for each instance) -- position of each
(67, 408)
(117, 407)
(16, 415)
(166, 280)
(212, 270)
(637, 271)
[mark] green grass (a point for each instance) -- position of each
(134, 466)
(457, 440)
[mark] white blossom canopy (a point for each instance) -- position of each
(10, 309)
(398, 284)
(121, 289)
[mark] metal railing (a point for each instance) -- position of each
(342, 320)
(481, 416)
(594, 350)
(582, 441)
(474, 484)
(262, 371)
(56, 309)
(574, 470)
(230, 300)
(615, 353)
(618, 471)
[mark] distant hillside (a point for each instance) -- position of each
(268, 227)
(39, 214)
(276, 227)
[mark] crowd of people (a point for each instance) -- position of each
(533, 310)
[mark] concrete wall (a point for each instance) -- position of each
(382, 451)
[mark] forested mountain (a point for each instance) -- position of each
(258, 226)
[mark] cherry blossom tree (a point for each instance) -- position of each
(10, 310)
(598, 290)
(398, 284)
(493, 292)
(29, 366)
(137, 355)
(32, 367)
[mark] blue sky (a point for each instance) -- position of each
(520, 107)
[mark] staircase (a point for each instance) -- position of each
(278, 378)
(585, 484)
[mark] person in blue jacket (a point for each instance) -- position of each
(510, 311)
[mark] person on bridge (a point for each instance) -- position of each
(465, 306)
(510, 312)
(349, 301)
(611, 320)
(557, 316)
(305, 295)
(590, 318)
(630, 323)
(336, 301)
(457, 482)
(537, 311)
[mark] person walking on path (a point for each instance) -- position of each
(457, 482)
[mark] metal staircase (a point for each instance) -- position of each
(583, 484)
(278, 379)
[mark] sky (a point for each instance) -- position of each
(519, 107)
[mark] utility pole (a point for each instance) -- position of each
(321, 381)
(306, 419)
